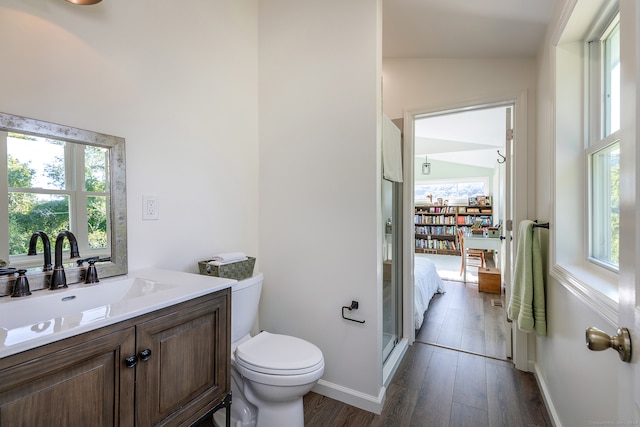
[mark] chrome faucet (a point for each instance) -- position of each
(58, 279)
(47, 248)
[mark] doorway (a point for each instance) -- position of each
(461, 193)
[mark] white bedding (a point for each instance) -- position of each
(427, 283)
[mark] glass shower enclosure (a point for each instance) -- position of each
(391, 198)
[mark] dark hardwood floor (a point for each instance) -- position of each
(434, 386)
(465, 319)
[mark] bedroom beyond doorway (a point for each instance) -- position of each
(448, 267)
(463, 164)
(462, 187)
(463, 318)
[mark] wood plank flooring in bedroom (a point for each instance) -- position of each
(465, 319)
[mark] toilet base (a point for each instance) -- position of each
(278, 412)
(282, 414)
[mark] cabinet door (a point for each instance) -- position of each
(81, 385)
(188, 370)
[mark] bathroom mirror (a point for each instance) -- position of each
(58, 177)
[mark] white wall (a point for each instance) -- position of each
(178, 82)
(320, 234)
(424, 84)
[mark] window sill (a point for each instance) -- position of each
(595, 287)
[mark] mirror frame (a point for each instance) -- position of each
(117, 190)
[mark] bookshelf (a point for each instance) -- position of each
(435, 226)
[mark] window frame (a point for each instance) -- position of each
(598, 116)
(74, 189)
(594, 285)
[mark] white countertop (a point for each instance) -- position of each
(48, 316)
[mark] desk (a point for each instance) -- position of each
(479, 242)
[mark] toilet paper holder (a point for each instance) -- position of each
(354, 306)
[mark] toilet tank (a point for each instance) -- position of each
(245, 297)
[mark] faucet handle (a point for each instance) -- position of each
(91, 275)
(7, 270)
(80, 262)
(21, 286)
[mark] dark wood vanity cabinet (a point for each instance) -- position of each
(83, 384)
(169, 367)
(189, 365)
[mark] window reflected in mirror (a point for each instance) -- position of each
(52, 186)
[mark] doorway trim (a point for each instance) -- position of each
(523, 192)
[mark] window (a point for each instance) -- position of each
(52, 186)
(605, 205)
(588, 146)
(603, 151)
(611, 77)
(450, 189)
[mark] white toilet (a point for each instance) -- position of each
(269, 372)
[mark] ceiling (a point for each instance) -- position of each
(463, 29)
(470, 138)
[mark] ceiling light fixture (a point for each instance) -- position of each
(84, 2)
(426, 167)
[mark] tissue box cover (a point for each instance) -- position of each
(235, 270)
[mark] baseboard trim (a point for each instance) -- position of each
(351, 397)
(544, 390)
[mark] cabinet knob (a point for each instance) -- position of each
(131, 361)
(145, 355)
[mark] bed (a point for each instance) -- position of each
(427, 283)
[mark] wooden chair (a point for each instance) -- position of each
(471, 254)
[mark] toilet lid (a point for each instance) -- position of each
(279, 354)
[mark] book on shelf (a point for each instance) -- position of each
(438, 244)
(435, 219)
(444, 230)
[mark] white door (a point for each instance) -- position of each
(628, 393)
(629, 308)
(506, 257)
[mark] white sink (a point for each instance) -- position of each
(48, 316)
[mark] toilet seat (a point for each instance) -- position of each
(281, 355)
